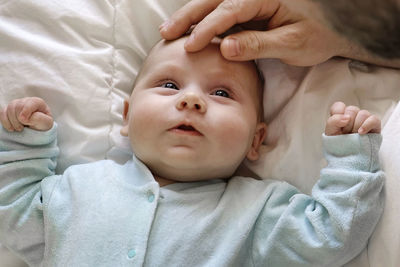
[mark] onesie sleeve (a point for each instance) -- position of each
(333, 225)
(26, 158)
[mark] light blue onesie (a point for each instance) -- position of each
(105, 214)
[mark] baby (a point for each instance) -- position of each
(191, 120)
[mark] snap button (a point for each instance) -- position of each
(150, 196)
(131, 253)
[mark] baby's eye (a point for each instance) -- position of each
(222, 93)
(170, 85)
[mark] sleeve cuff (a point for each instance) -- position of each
(27, 137)
(353, 150)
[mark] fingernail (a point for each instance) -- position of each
(345, 117)
(233, 47)
(361, 130)
(191, 38)
(164, 25)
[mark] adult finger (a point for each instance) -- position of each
(226, 15)
(188, 15)
(371, 125)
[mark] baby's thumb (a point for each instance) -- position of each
(335, 124)
(248, 45)
(40, 121)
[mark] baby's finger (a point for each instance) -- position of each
(338, 108)
(13, 110)
(371, 125)
(361, 116)
(40, 121)
(32, 105)
(4, 120)
(352, 112)
(335, 124)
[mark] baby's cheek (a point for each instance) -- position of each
(137, 130)
(236, 138)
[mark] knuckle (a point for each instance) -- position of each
(337, 107)
(184, 14)
(364, 113)
(376, 119)
(19, 105)
(254, 44)
(34, 99)
(337, 103)
(353, 108)
(230, 6)
(294, 39)
(332, 119)
(13, 103)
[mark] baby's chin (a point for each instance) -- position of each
(190, 176)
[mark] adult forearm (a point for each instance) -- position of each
(355, 51)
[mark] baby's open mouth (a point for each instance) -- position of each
(186, 129)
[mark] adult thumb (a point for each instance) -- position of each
(249, 45)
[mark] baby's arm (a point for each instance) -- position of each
(26, 157)
(332, 225)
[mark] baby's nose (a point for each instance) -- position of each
(191, 100)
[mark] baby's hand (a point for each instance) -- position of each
(30, 111)
(351, 119)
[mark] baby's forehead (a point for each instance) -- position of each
(210, 55)
(167, 53)
(166, 47)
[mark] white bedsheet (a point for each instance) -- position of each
(82, 58)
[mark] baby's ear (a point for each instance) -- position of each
(259, 136)
(124, 130)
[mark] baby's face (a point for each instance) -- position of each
(193, 116)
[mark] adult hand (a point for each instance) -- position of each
(272, 30)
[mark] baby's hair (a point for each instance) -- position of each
(373, 27)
